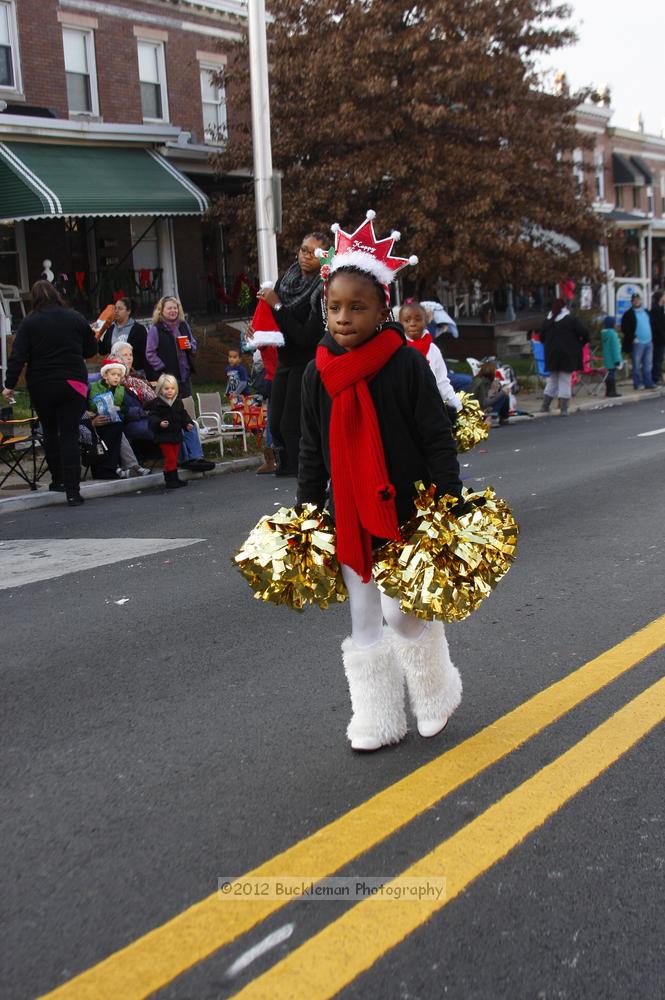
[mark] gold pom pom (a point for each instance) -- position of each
(448, 562)
(289, 558)
(471, 426)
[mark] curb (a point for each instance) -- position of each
(106, 489)
(604, 403)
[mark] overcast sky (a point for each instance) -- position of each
(622, 44)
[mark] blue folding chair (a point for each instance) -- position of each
(538, 352)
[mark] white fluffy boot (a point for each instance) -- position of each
(434, 683)
(376, 686)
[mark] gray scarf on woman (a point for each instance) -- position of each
(295, 288)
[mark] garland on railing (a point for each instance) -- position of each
(241, 295)
(88, 283)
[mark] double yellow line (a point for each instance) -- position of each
(350, 945)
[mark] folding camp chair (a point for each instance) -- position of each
(19, 440)
(593, 370)
(538, 352)
(217, 423)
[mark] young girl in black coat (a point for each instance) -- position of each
(373, 424)
(168, 418)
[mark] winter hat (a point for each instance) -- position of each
(110, 364)
(609, 323)
(266, 331)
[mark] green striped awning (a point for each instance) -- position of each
(45, 180)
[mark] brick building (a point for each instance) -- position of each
(626, 171)
(108, 115)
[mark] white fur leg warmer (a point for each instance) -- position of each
(433, 682)
(376, 686)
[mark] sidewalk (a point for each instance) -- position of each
(18, 497)
(530, 401)
(22, 498)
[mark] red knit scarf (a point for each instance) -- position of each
(422, 345)
(364, 498)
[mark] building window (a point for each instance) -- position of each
(618, 196)
(9, 63)
(599, 170)
(80, 71)
(152, 74)
(637, 196)
(649, 201)
(213, 101)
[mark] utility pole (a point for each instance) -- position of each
(263, 174)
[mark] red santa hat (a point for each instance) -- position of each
(266, 331)
(109, 364)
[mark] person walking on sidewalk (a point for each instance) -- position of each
(54, 341)
(564, 337)
(612, 359)
(638, 341)
(657, 317)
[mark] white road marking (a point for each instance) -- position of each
(249, 956)
(28, 560)
(648, 434)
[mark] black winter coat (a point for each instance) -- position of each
(629, 327)
(657, 317)
(417, 438)
(53, 342)
(168, 351)
(177, 416)
(303, 328)
(564, 340)
(137, 338)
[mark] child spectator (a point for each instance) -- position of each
(373, 424)
(612, 359)
(238, 379)
(487, 390)
(263, 371)
(413, 317)
(138, 392)
(168, 419)
(106, 398)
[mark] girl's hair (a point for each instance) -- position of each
(118, 346)
(487, 370)
(159, 308)
(128, 303)
(414, 304)
(43, 295)
(557, 306)
(358, 273)
(166, 380)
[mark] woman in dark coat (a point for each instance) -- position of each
(54, 341)
(296, 306)
(657, 317)
(564, 337)
(127, 329)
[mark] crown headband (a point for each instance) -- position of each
(362, 250)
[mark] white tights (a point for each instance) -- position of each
(369, 607)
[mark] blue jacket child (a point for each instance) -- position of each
(612, 359)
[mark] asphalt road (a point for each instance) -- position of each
(161, 729)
